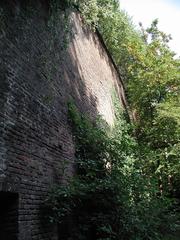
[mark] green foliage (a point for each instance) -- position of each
(151, 74)
(149, 166)
(110, 197)
(59, 23)
(61, 4)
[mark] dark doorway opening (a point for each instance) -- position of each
(8, 216)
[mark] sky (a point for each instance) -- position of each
(167, 11)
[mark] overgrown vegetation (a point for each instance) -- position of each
(151, 75)
(127, 176)
(110, 197)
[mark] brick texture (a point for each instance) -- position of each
(38, 76)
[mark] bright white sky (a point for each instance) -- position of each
(167, 11)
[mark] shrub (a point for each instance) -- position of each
(109, 197)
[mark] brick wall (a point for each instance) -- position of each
(38, 76)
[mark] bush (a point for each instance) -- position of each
(110, 197)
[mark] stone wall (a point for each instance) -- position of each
(38, 76)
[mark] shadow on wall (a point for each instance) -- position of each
(42, 76)
(49, 67)
(38, 77)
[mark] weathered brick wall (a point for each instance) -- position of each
(38, 76)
